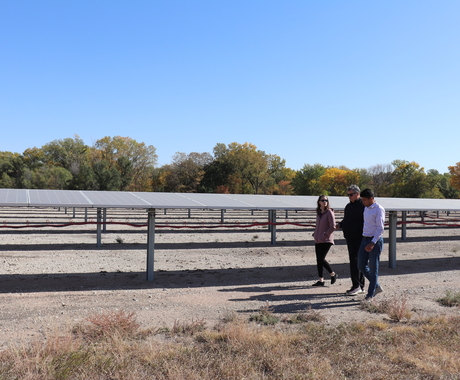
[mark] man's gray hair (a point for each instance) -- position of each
(354, 188)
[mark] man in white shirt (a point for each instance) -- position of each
(372, 243)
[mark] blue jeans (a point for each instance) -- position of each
(368, 263)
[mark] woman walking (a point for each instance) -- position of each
(323, 235)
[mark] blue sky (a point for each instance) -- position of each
(354, 83)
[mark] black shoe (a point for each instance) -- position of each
(318, 283)
(333, 279)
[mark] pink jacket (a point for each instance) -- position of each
(325, 226)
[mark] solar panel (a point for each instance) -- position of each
(14, 197)
(57, 198)
(119, 199)
(170, 200)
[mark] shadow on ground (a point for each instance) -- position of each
(245, 279)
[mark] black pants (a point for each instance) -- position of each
(321, 250)
(357, 278)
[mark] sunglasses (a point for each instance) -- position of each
(350, 195)
(324, 200)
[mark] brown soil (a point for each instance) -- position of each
(53, 278)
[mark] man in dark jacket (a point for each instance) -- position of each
(352, 227)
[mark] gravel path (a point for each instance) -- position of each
(52, 278)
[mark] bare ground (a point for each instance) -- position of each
(53, 278)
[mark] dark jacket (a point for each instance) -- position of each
(353, 220)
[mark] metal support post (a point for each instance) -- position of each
(404, 225)
(272, 219)
(99, 218)
(150, 244)
(393, 218)
(222, 212)
(104, 226)
(270, 229)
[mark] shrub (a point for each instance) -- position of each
(450, 299)
(265, 316)
(108, 325)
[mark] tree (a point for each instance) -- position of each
(125, 167)
(11, 170)
(50, 177)
(381, 179)
(335, 181)
(455, 176)
(68, 153)
(216, 176)
(107, 178)
(249, 167)
(409, 180)
(186, 171)
(71, 154)
(446, 188)
(34, 158)
(142, 157)
(306, 180)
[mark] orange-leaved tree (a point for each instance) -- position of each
(455, 175)
(335, 181)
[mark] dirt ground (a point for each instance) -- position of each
(53, 278)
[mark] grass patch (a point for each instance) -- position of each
(397, 309)
(450, 299)
(423, 349)
(310, 315)
(265, 316)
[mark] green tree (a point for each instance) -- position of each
(106, 178)
(409, 180)
(249, 168)
(11, 170)
(216, 176)
(142, 157)
(71, 154)
(186, 171)
(306, 180)
(50, 177)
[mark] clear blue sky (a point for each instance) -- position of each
(354, 83)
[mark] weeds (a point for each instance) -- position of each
(108, 324)
(427, 349)
(309, 315)
(397, 309)
(265, 316)
(450, 299)
(188, 328)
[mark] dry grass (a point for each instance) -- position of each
(111, 346)
(450, 299)
(397, 309)
(108, 325)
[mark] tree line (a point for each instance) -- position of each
(123, 164)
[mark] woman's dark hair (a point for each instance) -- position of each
(318, 206)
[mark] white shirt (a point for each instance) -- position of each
(374, 221)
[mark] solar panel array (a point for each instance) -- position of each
(147, 200)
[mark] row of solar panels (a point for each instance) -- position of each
(146, 200)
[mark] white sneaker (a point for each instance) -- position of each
(354, 291)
